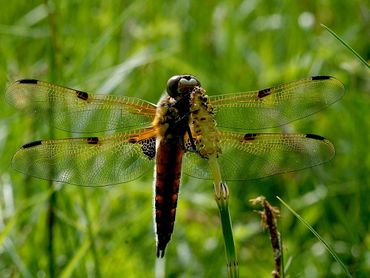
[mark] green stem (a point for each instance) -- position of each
(222, 199)
(327, 246)
(91, 234)
(346, 45)
(50, 225)
(53, 197)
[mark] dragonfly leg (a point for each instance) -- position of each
(191, 139)
(182, 143)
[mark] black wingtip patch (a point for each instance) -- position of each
(321, 77)
(28, 81)
(314, 136)
(249, 136)
(82, 95)
(32, 144)
(264, 92)
(92, 140)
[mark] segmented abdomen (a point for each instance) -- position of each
(168, 173)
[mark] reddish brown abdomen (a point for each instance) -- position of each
(168, 173)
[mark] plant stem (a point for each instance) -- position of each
(91, 234)
(52, 46)
(346, 45)
(223, 207)
(222, 200)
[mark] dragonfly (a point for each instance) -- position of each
(183, 133)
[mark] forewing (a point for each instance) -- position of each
(90, 161)
(79, 111)
(254, 156)
(276, 106)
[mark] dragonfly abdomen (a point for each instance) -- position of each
(168, 173)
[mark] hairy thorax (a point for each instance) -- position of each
(203, 124)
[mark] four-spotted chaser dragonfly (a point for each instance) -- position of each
(179, 134)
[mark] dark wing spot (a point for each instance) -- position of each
(92, 140)
(314, 136)
(82, 95)
(322, 77)
(32, 144)
(27, 81)
(264, 92)
(250, 136)
(132, 140)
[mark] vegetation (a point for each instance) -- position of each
(132, 48)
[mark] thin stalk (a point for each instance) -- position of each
(50, 226)
(223, 207)
(52, 47)
(269, 217)
(346, 45)
(91, 235)
(327, 246)
(222, 200)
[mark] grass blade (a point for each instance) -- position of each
(346, 45)
(327, 246)
(75, 261)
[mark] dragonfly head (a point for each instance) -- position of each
(181, 84)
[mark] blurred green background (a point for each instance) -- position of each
(132, 48)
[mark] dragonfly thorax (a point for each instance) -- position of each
(173, 110)
(203, 124)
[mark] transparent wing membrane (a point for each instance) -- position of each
(254, 156)
(276, 106)
(90, 161)
(79, 111)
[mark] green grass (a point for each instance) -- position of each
(132, 48)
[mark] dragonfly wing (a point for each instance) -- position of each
(276, 106)
(79, 111)
(254, 156)
(89, 161)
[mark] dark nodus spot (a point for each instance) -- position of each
(82, 95)
(250, 136)
(92, 140)
(264, 92)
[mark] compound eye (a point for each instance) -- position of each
(172, 85)
(181, 84)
